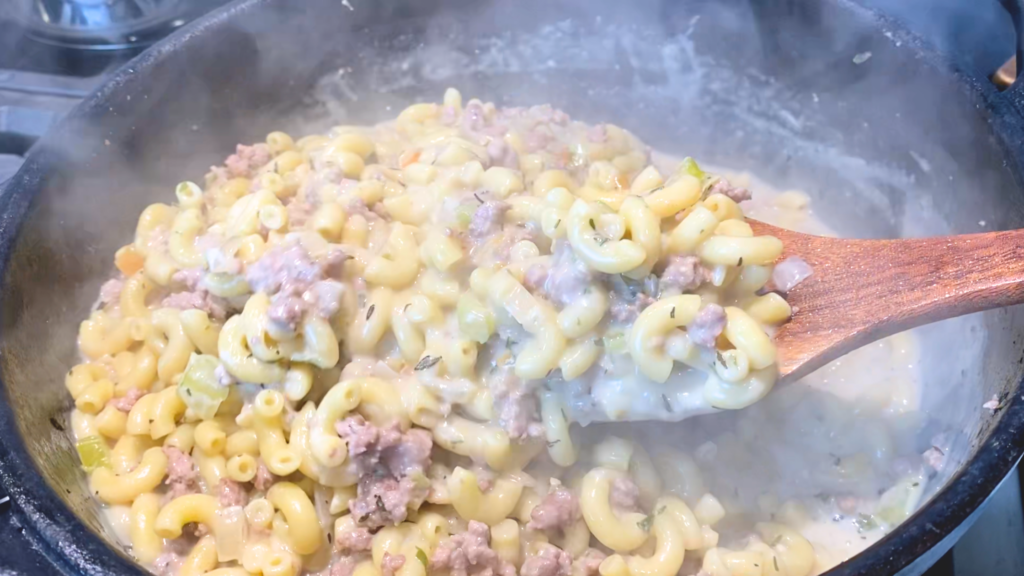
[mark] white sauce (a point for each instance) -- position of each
(832, 441)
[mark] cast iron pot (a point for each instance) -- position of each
(898, 143)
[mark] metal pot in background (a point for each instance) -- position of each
(105, 24)
(823, 96)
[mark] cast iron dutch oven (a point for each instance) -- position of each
(888, 138)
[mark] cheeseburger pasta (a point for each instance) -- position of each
(375, 352)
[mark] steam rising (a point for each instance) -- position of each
(783, 101)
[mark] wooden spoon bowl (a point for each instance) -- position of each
(865, 290)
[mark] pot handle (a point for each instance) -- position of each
(1006, 76)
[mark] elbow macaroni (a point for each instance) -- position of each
(470, 286)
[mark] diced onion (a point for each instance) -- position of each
(232, 532)
(790, 272)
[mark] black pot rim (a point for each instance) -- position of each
(74, 549)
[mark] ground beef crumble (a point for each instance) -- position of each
(734, 193)
(247, 159)
(126, 402)
(469, 554)
(343, 566)
(391, 563)
(707, 325)
(264, 478)
(557, 511)
(515, 404)
(110, 292)
(550, 561)
(231, 493)
(487, 219)
(182, 477)
(624, 495)
(684, 273)
(297, 283)
(385, 459)
(358, 539)
(567, 278)
(589, 562)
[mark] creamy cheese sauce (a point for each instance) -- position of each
(817, 453)
(828, 456)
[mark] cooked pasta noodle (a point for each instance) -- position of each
(371, 343)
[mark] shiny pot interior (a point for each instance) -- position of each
(897, 145)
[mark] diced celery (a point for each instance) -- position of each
(94, 453)
(476, 321)
(199, 387)
(690, 166)
(898, 502)
(865, 523)
(615, 342)
(464, 215)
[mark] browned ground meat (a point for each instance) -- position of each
(557, 511)
(390, 563)
(511, 236)
(684, 273)
(515, 403)
(550, 561)
(625, 308)
(181, 473)
(110, 292)
(247, 159)
(362, 437)
(358, 207)
(264, 478)
(625, 495)
(296, 283)
(299, 211)
(343, 566)
(501, 154)
(488, 218)
(383, 501)
(192, 278)
(736, 193)
(384, 458)
(231, 493)
(195, 296)
(197, 300)
(568, 277)
(469, 554)
(589, 562)
(126, 402)
(707, 325)
(398, 452)
(358, 539)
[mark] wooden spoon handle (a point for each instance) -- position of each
(863, 290)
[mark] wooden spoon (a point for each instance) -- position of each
(865, 290)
